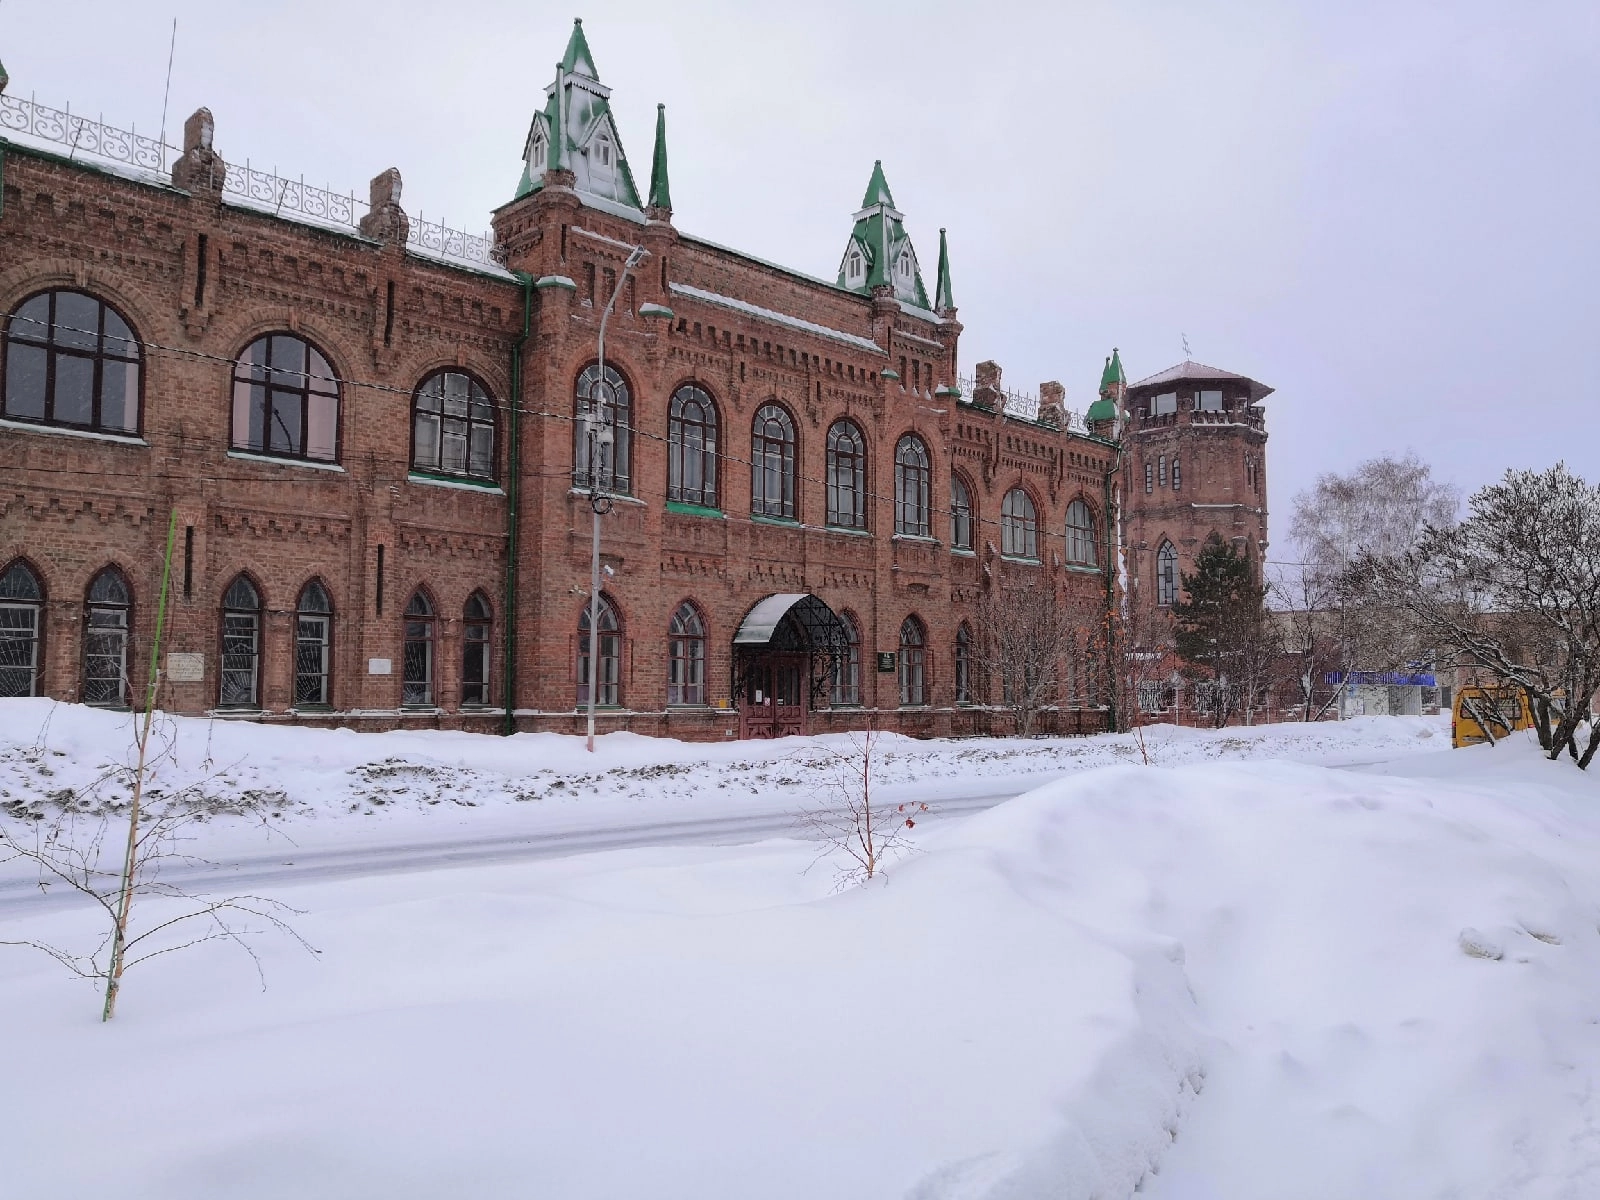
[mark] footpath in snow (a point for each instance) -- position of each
(1223, 977)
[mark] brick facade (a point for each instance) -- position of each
(198, 276)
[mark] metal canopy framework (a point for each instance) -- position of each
(792, 623)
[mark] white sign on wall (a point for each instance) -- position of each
(186, 668)
(379, 666)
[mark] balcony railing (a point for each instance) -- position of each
(267, 190)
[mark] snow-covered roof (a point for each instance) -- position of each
(777, 318)
(1189, 370)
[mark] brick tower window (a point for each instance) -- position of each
(847, 476)
(912, 487)
(70, 359)
(452, 427)
(1166, 575)
(285, 400)
(1019, 525)
(772, 463)
(21, 602)
(692, 447)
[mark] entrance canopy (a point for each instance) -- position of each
(768, 623)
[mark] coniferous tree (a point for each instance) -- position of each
(1221, 627)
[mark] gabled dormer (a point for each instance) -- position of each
(576, 132)
(879, 252)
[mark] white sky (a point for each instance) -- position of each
(1387, 211)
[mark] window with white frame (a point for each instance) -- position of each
(1165, 403)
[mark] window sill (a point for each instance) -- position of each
(1022, 559)
(275, 461)
(94, 435)
(1084, 568)
(614, 497)
(918, 538)
(683, 508)
(963, 552)
(848, 531)
(464, 484)
(763, 519)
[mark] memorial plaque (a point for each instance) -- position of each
(186, 668)
(379, 666)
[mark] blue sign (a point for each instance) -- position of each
(1380, 678)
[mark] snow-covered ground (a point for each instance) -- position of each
(1237, 973)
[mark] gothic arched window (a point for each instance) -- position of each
(963, 664)
(913, 663)
(418, 647)
(912, 487)
(241, 645)
(846, 670)
(21, 603)
(285, 400)
(108, 616)
(960, 513)
(603, 448)
(313, 646)
(610, 644)
(692, 447)
(1080, 535)
(452, 426)
(686, 656)
(477, 626)
(772, 463)
(847, 476)
(70, 359)
(1166, 575)
(1019, 525)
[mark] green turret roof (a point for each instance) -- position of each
(577, 60)
(660, 192)
(879, 253)
(942, 298)
(1112, 375)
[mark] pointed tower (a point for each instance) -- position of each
(660, 191)
(1102, 414)
(576, 132)
(944, 302)
(879, 253)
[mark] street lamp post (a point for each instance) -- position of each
(601, 432)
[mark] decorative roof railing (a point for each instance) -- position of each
(261, 189)
(1020, 404)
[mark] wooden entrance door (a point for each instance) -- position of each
(774, 701)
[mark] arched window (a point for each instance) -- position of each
(603, 447)
(105, 642)
(686, 657)
(241, 645)
(610, 646)
(963, 664)
(21, 602)
(71, 360)
(692, 447)
(960, 513)
(847, 476)
(452, 427)
(1080, 535)
(477, 626)
(313, 646)
(1166, 575)
(285, 400)
(846, 671)
(772, 454)
(417, 652)
(912, 488)
(1019, 526)
(913, 663)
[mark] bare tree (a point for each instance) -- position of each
(846, 817)
(1379, 509)
(1028, 642)
(1512, 592)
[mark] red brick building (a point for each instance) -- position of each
(377, 442)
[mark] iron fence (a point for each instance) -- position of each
(78, 133)
(1020, 404)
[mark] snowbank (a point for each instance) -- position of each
(1224, 980)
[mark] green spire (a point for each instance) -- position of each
(942, 298)
(877, 188)
(4, 78)
(578, 60)
(660, 193)
(1112, 375)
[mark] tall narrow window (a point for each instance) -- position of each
(241, 645)
(960, 513)
(912, 487)
(772, 463)
(686, 657)
(1019, 526)
(21, 602)
(313, 647)
(452, 427)
(1080, 535)
(1149, 477)
(71, 360)
(105, 643)
(285, 400)
(913, 663)
(417, 652)
(476, 628)
(1166, 575)
(844, 673)
(1177, 474)
(692, 447)
(610, 645)
(963, 664)
(847, 476)
(602, 436)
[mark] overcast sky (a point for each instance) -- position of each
(1386, 211)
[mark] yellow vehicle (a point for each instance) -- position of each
(1487, 714)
